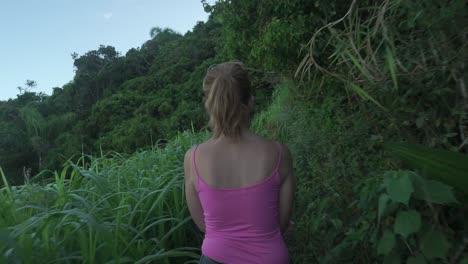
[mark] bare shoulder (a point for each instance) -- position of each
(273, 146)
(188, 154)
(265, 142)
(286, 153)
(188, 158)
(188, 162)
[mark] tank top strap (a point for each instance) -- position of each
(280, 155)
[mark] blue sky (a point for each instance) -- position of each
(39, 36)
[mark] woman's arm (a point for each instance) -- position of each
(288, 188)
(193, 202)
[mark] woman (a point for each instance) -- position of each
(239, 186)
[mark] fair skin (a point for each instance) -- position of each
(225, 163)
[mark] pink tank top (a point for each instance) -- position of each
(242, 224)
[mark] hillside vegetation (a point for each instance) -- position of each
(370, 96)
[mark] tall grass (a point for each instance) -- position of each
(108, 209)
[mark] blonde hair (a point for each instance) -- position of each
(227, 91)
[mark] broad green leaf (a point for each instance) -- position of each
(386, 243)
(446, 166)
(392, 258)
(434, 244)
(464, 261)
(418, 259)
(383, 201)
(407, 223)
(434, 192)
(399, 187)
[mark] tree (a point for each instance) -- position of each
(30, 85)
(35, 124)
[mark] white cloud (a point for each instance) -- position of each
(107, 16)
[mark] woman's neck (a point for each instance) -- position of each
(245, 134)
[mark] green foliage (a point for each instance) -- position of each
(403, 56)
(386, 243)
(335, 203)
(371, 72)
(407, 223)
(433, 191)
(33, 120)
(114, 103)
(418, 259)
(418, 232)
(270, 34)
(399, 187)
(396, 55)
(383, 202)
(392, 258)
(434, 244)
(446, 166)
(113, 208)
(333, 224)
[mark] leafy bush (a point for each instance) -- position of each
(409, 231)
(344, 210)
(330, 167)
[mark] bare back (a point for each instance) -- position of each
(227, 165)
